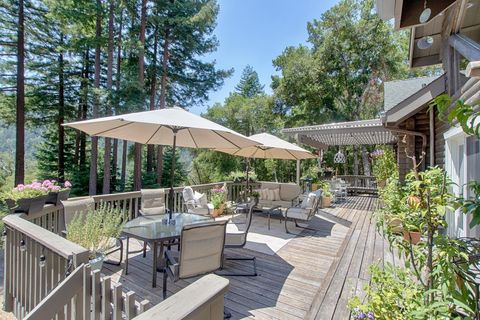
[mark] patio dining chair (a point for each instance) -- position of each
(201, 252)
(305, 211)
(237, 239)
(71, 208)
(196, 203)
(152, 202)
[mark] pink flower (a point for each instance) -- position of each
(67, 184)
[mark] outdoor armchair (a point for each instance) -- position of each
(305, 211)
(71, 208)
(201, 252)
(236, 239)
(196, 203)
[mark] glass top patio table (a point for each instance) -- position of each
(153, 227)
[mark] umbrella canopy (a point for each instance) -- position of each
(158, 126)
(172, 126)
(270, 147)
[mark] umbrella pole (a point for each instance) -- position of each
(171, 194)
(248, 169)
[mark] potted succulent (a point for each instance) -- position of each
(97, 230)
(28, 199)
(57, 191)
(218, 199)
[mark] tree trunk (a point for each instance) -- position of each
(366, 163)
(137, 178)
(92, 188)
(114, 163)
(163, 97)
(84, 108)
(107, 154)
(20, 121)
(153, 91)
(123, 174)
(117, 88)
(355, 160)
(61, 116)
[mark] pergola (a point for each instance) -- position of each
(363, 132)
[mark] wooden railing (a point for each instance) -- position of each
(359, 183)
(87, 295)
(43, 270)
(36, 261)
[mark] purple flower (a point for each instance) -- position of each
(370, 315)
(361, 315)
(67, 184)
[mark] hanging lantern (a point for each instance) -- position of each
(426, 13)
(339, 157)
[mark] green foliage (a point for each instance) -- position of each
(218, 196)
(465, 114)
(469, 119)
(392, 294)
(95, 229)
(385, 165)
(241, 176)
(249, 85)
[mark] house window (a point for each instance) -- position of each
(473, 161)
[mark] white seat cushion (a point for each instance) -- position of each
(234, 236)
(289, 191)
(309, 200)
(297, 213)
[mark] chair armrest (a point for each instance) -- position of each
(203, 297)
(274, 208)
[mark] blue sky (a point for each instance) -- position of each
(254, 32)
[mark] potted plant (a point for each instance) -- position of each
(97, 230)
(27, 199)
(326, 194)
(412, 229)
(57, 191)
(218, 199)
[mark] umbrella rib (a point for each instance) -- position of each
(292, 154)
(191, 135)
(153, 134)
(214, 131)
(117, 127)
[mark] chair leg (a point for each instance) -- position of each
(144, 249)
(121, 255)
(254, 274)
(226, 314)
(304, 227)
(164, 287)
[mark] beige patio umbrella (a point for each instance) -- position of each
(171, 126)
(269, 147)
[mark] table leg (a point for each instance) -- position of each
(160, 259)
(154, 269)
(126, 256)
(269, 214)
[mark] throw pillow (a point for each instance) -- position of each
(271, 195)
(200, 199)
(309, 200)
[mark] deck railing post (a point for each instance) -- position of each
(8, 297)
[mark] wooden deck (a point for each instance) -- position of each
(310, 277)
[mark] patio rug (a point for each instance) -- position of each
(261, 239)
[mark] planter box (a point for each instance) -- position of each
(326, 202)
(218, 212)
(27, 205)
(55, 198)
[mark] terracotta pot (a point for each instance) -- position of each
(314, 186)
(55, 198)
(27, 205)
(412, 236)
(326, 202)
(218, 212)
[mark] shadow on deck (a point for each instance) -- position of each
(308, 276)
